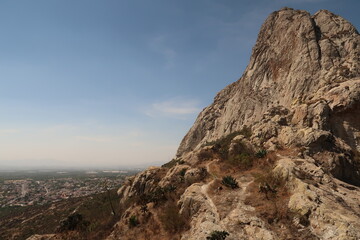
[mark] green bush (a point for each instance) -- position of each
(229, 181)
(182, 172)
(217, 235)
(157, 196)
(261, 153)
(133, 221)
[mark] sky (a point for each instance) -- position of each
(115, 83)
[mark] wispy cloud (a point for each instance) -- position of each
(178, 108)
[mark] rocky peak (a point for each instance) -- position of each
(276, 156)
(296, 59)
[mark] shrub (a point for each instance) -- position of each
(72, 222)
(261, 153)
(133, 221)
(169, 188)
(144, 208)
(170, 164)
(269, 183)
(242, 159)
(229, 181)
(173, 163)
(205, 154)
(246, 132)
(217, 235)
(240, 154)
(157, 196)
(171, 220)
(182, 172)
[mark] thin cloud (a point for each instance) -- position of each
(174, 108)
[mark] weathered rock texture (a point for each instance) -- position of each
(296, 60)
(299, 98)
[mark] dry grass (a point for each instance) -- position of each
(171, 220)
(269, 196)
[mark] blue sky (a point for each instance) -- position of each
(114, 83)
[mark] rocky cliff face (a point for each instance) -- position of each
(276, 156)
(288, 134)
(296, 60)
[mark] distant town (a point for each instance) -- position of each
(25, 188)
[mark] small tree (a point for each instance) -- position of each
(109, 197)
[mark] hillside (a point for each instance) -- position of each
(275, 156)
(92, 215)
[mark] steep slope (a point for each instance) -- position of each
(296, 56)
(276, 156)
(308, 65)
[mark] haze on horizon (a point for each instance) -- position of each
(88, 84)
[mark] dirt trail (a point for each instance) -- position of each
(235, 198)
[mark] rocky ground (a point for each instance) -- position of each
(298, 101)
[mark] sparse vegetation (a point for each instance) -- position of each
(242, 159)
(205, 154)
(170, 164)
(240, 155)
(144, 208)
(246, 132)
(169, 188)
(72, 222)
(157, 196)
(173, 163)
(217, 235)
(133, 221)
(261, 153)
(171, 220)
(269, 196)
(96, 219)
(182, 172)
(269, 183)
(229, 181)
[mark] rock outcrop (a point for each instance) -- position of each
(297, 59)
(287, 132)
